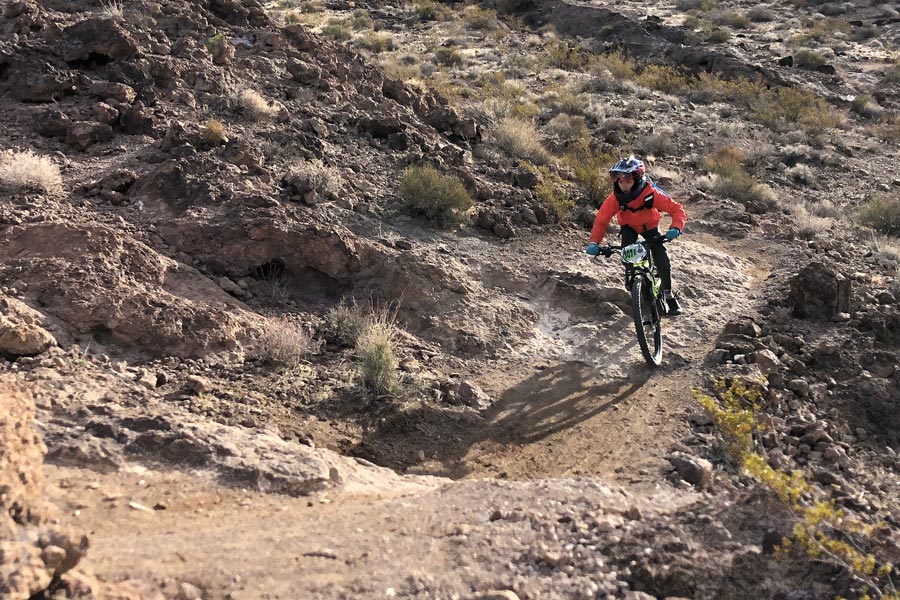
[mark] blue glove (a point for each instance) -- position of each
(593, 249)
(673, 233)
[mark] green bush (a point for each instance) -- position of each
(590, 173)
(441, 199)
(883, 213)
(338, 30)
(785, 109)
(663, 78)
(375, 351)
(376, 42)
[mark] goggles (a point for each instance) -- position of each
(625, 176)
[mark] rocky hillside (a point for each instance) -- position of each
(295, 302)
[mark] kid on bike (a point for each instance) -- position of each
(635, 202)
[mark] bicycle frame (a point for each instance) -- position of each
(648, 306)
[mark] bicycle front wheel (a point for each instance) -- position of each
(647, 322)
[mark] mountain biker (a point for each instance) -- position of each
(635, 202)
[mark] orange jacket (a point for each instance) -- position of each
(641, 219)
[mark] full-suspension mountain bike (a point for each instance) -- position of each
(647, 302)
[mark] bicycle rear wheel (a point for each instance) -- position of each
(647, 322)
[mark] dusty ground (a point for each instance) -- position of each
(562, 485)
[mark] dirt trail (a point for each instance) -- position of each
(578, 399)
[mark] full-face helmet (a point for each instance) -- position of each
(628, 166)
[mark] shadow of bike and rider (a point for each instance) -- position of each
(551, 401)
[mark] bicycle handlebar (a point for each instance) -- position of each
(657, 242)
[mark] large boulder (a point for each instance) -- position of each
(119, 291)
(819, 292)
(20, 334)
(98, 39)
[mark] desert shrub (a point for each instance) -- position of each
(824, 208)
(663, 78)
(519, 138)
(821, 532)
(757, 197)
(338, 30)
(570, 57)
(660, 144)
(345, 322)
(213, 132)
(717, 35)
(113, 9)
(725, 161)
(892, 73)
(865, 106)
(361, 19)
(404, 67)
(427, 10)
(799, 173)
(480, 19)
(375, 353)
(565, 130)
(734, 182)
(26, 170)
(808, 59)
(687, 5)
(284, 344)
(733, 410)
(808, 225)
(733, 19)
(883, 214)
(887, 129)
(255, 106)
(566, 100)
(319, 177)
(441, 199)
(590, 173)
(761, 14)
(823, 29)
(447, 56)
(786, 108)
(376, 42)
(618, 64)
(552, 191)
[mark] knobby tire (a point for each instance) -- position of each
(647, 322)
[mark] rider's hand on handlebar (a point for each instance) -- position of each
(593, 249)
(673, 233)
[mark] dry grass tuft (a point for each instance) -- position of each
(114, 9)
(809, 225)
(213, 132)
(883, 214)
(255, 106)
(27, 170)
(519, 138)
(285, 344)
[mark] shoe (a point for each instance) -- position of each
(673, 305)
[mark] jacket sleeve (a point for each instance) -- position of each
(607, 211)
(663, 202)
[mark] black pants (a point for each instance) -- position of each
(660, 256)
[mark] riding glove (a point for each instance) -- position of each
(593, 249)
(673, 233)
